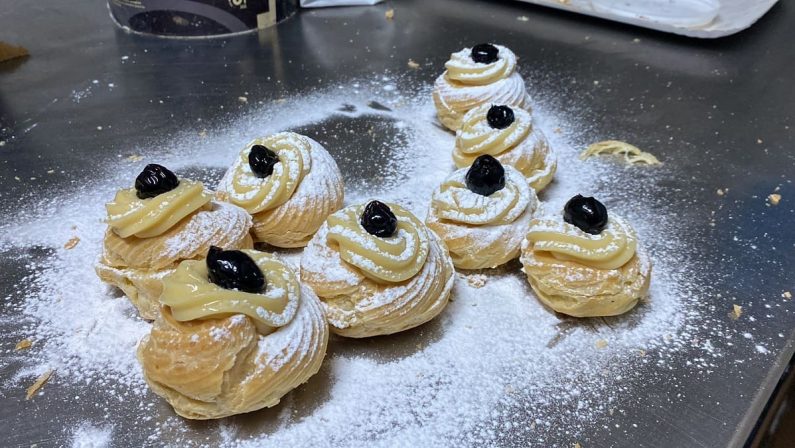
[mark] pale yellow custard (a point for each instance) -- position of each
(393, 259)
(454, 202)
(145, 218)
(610, 249)
(463, 69)
(256, 194)
(190, 295)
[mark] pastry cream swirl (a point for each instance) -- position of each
(476, 137)
(190, 294)
(455, 202)
(610, 249)
(391, 260)
(256, 194)
(463, 69)
(145, 218)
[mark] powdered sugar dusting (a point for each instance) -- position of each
(495, 368)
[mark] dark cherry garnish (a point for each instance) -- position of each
(154, 180)
(485, 176)
(261, 160)
(499, 117)
(588, 214)
(233, 269)
(484, 53)
(378, 220)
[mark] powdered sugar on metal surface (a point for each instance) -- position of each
(495, 366)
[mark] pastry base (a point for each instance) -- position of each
(581, 291)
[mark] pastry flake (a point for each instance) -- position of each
(632, 154)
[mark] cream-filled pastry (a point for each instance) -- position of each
(237, 332)
(483, 74)
(510, 135)
(482, 213)
(289, 184)
(158, 223)
(585, 263)
(378, 270)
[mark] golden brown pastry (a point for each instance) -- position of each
(481, 75)
(289, 184)
(378, 270)
(585, 264)
(482, 213)
(510, 135)
(160, 222)
(237, 332)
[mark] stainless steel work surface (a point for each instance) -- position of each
(718, 113)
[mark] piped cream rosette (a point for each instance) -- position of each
(585, 275)
(374, 286)
(289, 205)
(467, 84)
(482, 231)
(147, 238)
(216, 352)
(521, 145)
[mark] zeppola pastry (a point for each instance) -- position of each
(289, 184)
(483, 74)
(482, 213)
(237, 332)
(585, 263)
(510, 135)
(160, 222)
(378, 270)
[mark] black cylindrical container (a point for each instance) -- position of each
(199, 18)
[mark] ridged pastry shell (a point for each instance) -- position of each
(582, 291)
(136, 265)
(359, 307)
(293, 223)
(215, 368)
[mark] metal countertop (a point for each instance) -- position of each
(720, 109)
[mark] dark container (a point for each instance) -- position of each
(199, 18)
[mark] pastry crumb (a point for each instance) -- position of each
(774, 199)
(413, 64)
(737, 311)
(759, 141)
(134, 158)
(641, 353)
(71, 243)
(632, 154)
(476, 280)
(242, 99)
(390, 14)
(203, 133)
(522, 18)
(557, 131)
(600, 343)
(23, 344)
(576, 445)
(786, 295)
(720, 192)
(40, 382)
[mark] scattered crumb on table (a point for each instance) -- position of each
(71, 243)
(23, 344)
(40, 381)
